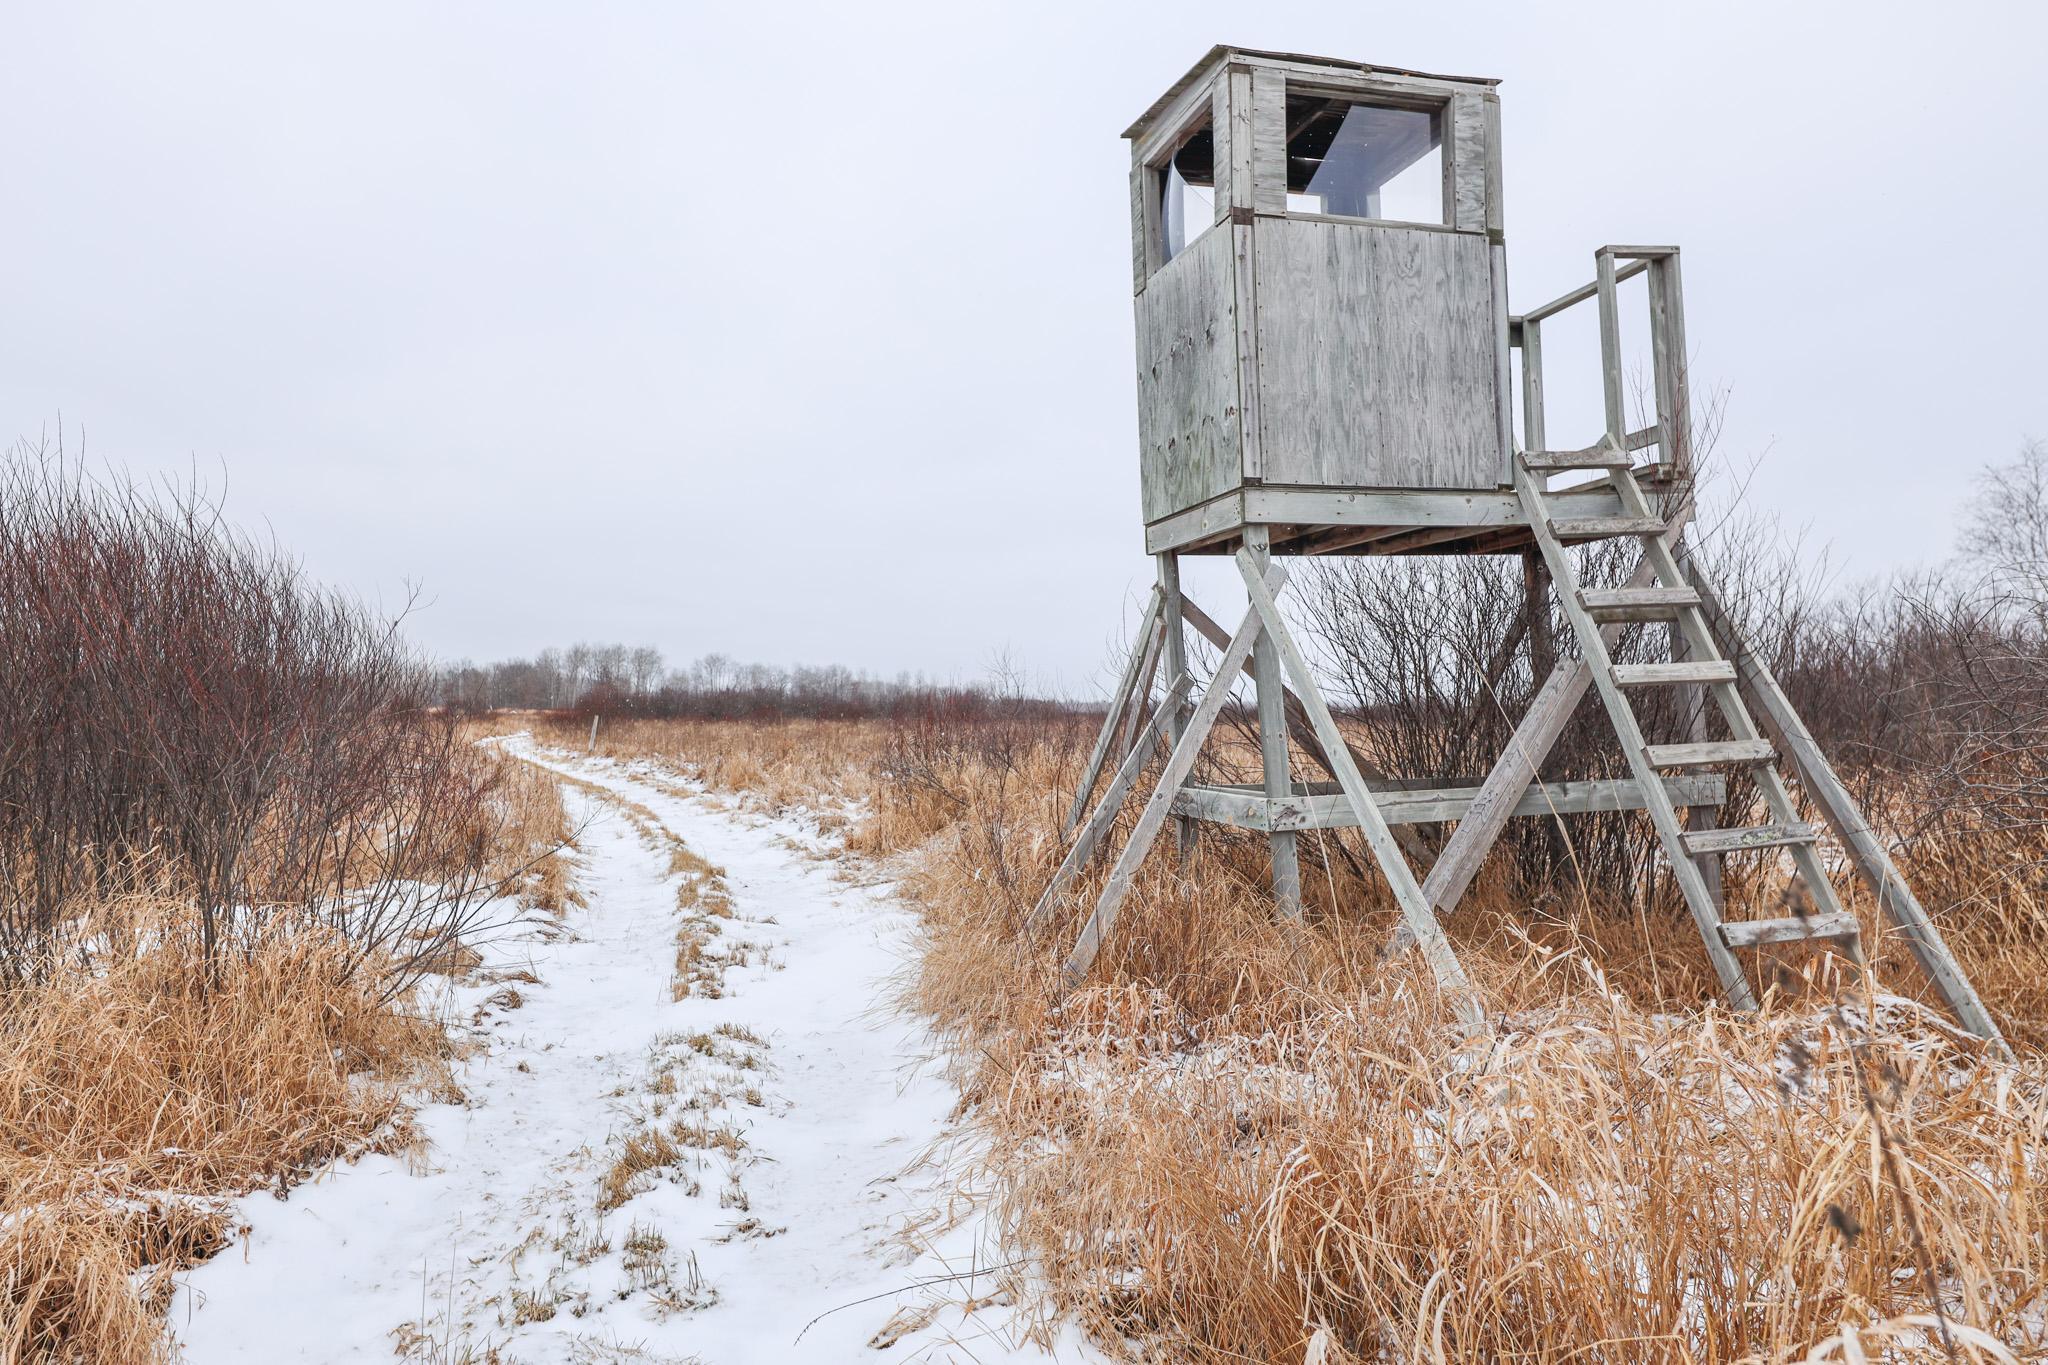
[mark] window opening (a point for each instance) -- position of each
(1364, 160)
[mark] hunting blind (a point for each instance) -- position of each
(1328, 364)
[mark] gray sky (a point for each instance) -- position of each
(803, 332)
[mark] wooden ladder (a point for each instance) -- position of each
(1672, 598)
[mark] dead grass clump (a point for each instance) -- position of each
(135, 1090)
(650, 1150)
(535, 848)
(67, 1295)
(1595, 1184)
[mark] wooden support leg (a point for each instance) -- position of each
(1112, 722)
(1379, 837)
(1536, 614)
(1273, 740)
(1176, 665)
(1113, 798)
(1178, 766)
(1141, 691)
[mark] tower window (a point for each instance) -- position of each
(1364, 160)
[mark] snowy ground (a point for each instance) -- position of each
(730, 1177)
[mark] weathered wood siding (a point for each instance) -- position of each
(1375, 357)
(1191, 445)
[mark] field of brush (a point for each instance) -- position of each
(1248, 1141)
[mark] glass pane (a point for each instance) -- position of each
(1364, 160)
(1187, 201)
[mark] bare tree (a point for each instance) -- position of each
(2005, 530)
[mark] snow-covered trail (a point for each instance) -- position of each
(634, 1177)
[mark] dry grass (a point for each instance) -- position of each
(1249, 1142)
(535, 848)
(142, 1086)
(135, 1092)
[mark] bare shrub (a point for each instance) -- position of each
(184, 705)
(231, 838)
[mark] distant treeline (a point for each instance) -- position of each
(626, 680)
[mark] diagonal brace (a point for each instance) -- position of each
(1178, 765)
(1113, 798)
(1379, 837)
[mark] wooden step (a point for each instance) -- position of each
(1755, 932)
(1600, 455)
(1740, 840)
(1600, 528)
(1651, 675)
(1636, 604)
(1708, 754)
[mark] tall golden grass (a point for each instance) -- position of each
(1245, 1140)
(143, 1082)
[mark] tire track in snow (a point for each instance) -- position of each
(805, 1087)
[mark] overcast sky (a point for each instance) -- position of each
(803, 332)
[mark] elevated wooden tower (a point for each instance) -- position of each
(1325, 359)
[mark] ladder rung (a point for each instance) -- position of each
(1636, 604)
(1650, 675)
(1598, 528)
(1597, 456)
(1708, 754)
(1760, 836)
(1754, 932)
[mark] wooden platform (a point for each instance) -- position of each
(1327, 521)
(1321, 805)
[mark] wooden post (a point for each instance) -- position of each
(591, 747)
(1612, 393)
(1536, 610)
(1176, 666)
(1667, 305)
(1532, 386)
(1273, 739)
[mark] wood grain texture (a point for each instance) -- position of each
(1468, 162)
(1245, 311)
(1254, 810)
(1503, 365)
(1144, 225)
(1754, 837)
(1269, 141)
(1223, 135)
(1190, 442)
(1235, 153)
(1757, 932)
(1496, 215)
(1272, 705)
(1376, 357)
